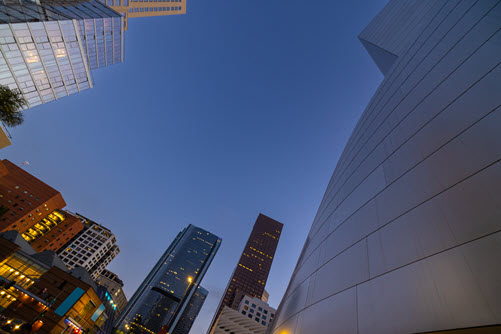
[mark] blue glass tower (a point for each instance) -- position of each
(191, 311)
(160, 301)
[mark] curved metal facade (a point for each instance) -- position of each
(407, 238)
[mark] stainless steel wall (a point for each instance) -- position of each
(407, 238)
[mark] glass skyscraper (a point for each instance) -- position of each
(49, 47)
(191, 311)
(159, 302)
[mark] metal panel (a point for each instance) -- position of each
(414, 199)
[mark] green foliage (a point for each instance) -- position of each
(11, 104)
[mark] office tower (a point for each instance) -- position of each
(48, 48)
(407, 237)
(35, 288)
(251, 273)
(93, 248)
(145, 8)
(115, 287)
(253, 316)
(33, 208)
(191, 311)
(164, 295)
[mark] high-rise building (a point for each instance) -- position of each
(251, 273)
(48, 47)
(253, 316)
(114, 285)
(407, 238)
(93, 248)
(146, 8)
(165, 293)
(191, 311)
(34, 209)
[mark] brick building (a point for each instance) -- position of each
(36, 288)
(33, 208)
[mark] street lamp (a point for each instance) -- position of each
(190, 280)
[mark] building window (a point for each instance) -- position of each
(253, 305)
(263, 322)
(244, 313)
(260, 308)
(247, 302)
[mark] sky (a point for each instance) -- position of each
(234, 109)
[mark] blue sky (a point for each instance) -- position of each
(236, 108)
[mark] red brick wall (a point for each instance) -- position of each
(60, 235)
(27, 198)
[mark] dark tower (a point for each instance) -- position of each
(251, 273)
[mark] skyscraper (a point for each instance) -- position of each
(253, 268)
(407, 238)
(165, 293)
(115, 287)
(49, 47)
(191, 311)
(146, 8)
(92, 248)
(34, 209)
